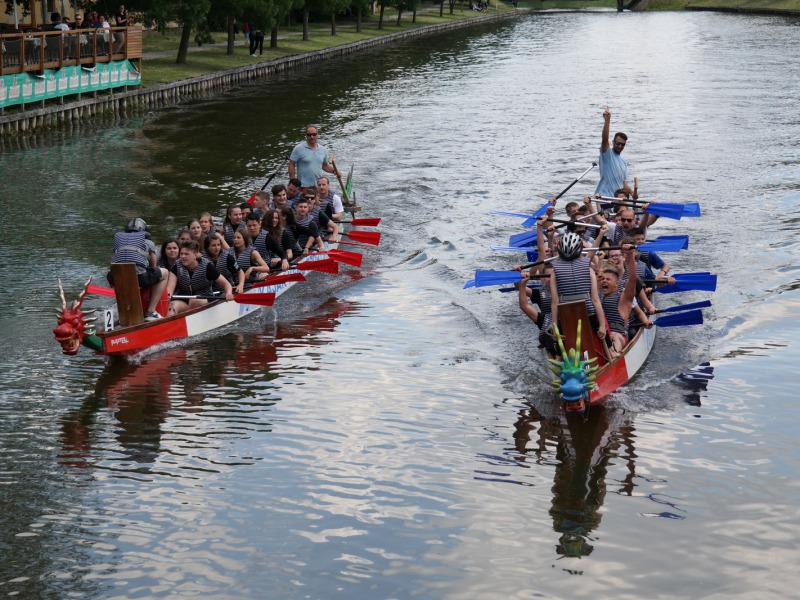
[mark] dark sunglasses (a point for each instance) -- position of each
(619, 144)
(316, 134)
(626, 220)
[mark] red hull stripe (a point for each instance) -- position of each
(130, 341)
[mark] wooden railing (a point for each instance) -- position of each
(39, 50)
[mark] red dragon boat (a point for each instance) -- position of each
(77, 327)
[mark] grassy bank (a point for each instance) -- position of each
(754, 5)
(212, 58)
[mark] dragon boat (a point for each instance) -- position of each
(124, 331)
(585, 375)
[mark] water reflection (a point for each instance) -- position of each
(583, 447)
(186, 382)
(695, 382)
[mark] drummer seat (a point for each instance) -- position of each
(129, 298)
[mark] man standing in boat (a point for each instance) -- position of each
(613, 167)
(309, 159)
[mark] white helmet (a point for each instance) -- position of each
(570, 246)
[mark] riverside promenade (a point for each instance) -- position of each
(124, 101)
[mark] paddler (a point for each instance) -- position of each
(618, 303)
(135, 246)
(574, 277)
(193, 276)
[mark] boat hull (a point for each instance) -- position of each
(131, 340)
(615, 374)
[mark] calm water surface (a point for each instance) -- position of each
(384, 433)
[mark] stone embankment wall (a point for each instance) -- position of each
(121, 102)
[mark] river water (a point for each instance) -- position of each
(384, 433)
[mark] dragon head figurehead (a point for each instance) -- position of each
(575, 376)
(73, 323)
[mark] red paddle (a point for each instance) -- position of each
(367, 237)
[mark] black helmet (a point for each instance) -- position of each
(136, 224)
(570, 246)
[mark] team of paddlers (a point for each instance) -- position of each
(595, 260)
(204, 260)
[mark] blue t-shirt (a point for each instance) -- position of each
(309, 163)
(613, 172)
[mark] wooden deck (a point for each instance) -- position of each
(36, 51)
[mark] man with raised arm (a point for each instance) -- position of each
(309, 159)
(613, 167)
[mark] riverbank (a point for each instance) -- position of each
(772, 7)
(206, 73)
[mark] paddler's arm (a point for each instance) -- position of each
(524, 305)
(598, 210)
(540, 246)
(592, 252)
(224, 283)
(625, 304)
(604, 145)
(326, 165)
(554, 298)
(598, 306)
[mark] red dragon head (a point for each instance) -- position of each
(73, 324)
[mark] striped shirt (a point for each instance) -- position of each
(613, 317)
(132, 247)
(574, 278)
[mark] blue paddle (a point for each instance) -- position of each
(693, 317)
(683, 307)
(687, 282)
(666, 243)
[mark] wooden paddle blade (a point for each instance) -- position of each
(100, 291)
(326, 265)
(267, 299)
(365, 222)
(279, 279)
(354, 259)
(368, 237)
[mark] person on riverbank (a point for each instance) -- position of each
(613, 167)
(257, 43)
(309, 160)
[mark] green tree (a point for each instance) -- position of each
(384, 4)
(189, 14)
(359, 6)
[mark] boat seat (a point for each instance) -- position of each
(129, 299)
(569, 313)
